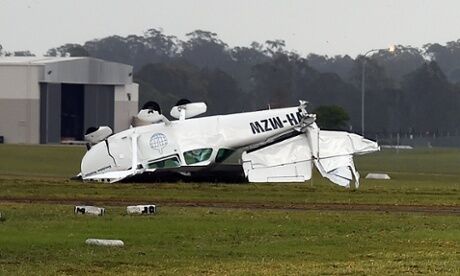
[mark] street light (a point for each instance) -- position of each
(391, 49)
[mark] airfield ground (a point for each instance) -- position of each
(407, 225)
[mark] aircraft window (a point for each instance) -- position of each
(169, 163)
(198, 155)
(223, 154)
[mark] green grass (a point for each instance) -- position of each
(429, 176)
(40, 160)
(426, 162)
(412, 192)
(49, 238)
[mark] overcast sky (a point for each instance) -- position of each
(321, 26)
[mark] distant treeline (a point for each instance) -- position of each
(409, 90)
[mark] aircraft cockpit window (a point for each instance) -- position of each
(169, 163)
(223, 154)
(196, 156)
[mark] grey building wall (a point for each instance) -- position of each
(30, 92)
(19, 120)
(19, 103)
(87, 71)
(126, 105)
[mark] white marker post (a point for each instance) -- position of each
(382, 176)
(90, 210)
(102, 242)
(141, 209)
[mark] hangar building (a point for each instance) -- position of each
(50, 100)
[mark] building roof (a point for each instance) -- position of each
(45, 60)
(35, 60)
(85, 70)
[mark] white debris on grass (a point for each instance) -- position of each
(382, 176)
(102, 242)
(90, 210)
(141, 209)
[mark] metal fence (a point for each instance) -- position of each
(417, 140)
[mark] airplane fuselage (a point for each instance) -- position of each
(191, 142)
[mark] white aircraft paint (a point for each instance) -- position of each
(280, 146)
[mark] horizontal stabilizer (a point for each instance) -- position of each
(339, 169)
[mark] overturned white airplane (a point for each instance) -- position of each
(279, 145)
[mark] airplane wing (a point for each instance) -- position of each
(285, 160)
(110, 177)
(292, 159)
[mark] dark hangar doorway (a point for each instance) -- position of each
(72, 111)
(67, 110)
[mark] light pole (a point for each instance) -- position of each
(363, 81)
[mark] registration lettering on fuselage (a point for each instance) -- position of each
(276, 122)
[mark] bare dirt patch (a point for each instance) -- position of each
(343, 207)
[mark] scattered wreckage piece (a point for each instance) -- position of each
(103, 242)
(89, 210)
(382, 176)
(142, 209)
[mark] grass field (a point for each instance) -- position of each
(39, 234)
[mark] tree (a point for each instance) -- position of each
(275, 47)
(25, 53)
(329, 89)
(376, 75)
(341, 65)
(223, 93)
(401, 61)
(244, 59)
(431, 101)
(162, 45)
(273, 83)
(331, 117)
(152, 47)
(205, 49)
(69, 49)
(403, 89)
(447, 57)
(166, 83)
